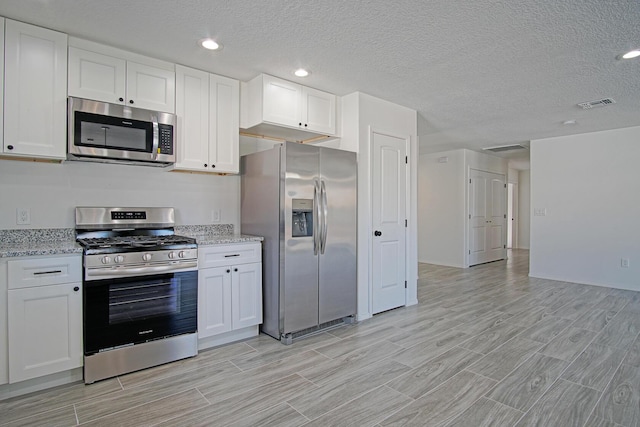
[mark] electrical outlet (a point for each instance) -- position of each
(23, 216)
(624, 263)
(215, 215)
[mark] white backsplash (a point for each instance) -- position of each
(52, 191)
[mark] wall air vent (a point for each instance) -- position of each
(502, 148)
(599, 103)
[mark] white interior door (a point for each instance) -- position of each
(388, 221)
(487, 216)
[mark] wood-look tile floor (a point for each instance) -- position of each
(485, 346)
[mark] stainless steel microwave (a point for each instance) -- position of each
(112, 133)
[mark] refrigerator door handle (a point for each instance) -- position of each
(325, 212)
(316, 217)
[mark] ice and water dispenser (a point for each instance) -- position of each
(302, 218)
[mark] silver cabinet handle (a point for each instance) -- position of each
(37, 273)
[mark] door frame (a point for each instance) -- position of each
(514, 214)
(467, 208)
(408, 189)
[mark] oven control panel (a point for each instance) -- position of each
(128, 215)
(140, 259)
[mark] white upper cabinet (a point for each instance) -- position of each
(282, 109)
(208, 113)
(108, 78)
(35, 97)
(96, 76)
(151, 88)
(281, 102)
(318, 111)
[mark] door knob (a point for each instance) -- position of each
(377, 233)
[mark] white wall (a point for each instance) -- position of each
(588, 185)
(443, 203)
(441, 208)
(52, 191)
(512, 175)
(360, 114)
(524, 209)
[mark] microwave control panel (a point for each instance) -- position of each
(165, 143)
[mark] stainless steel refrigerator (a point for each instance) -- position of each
(302, 199)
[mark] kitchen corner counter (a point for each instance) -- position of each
(220, 239)
(35, 242)
(215, 234)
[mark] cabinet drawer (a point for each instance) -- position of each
(26, 273)
(232, 254)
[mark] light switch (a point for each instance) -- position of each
(540, 211)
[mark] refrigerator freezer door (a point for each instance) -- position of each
(299, 283)
(337, 265)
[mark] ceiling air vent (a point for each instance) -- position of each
(599, 103)
(502, 148)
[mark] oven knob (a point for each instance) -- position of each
(106, 260)
(119, 259)
(182, 254)
(146, 257)
(172, 255)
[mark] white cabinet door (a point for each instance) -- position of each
(151, 88)
(208, 109)
(1, 81)
(318, 111)
(281, 102)
(224, 124)
(96, 76)
(246, 290)
(4, 330)
(45, 330)
(192, 109)
(35, 98)
(214, 301)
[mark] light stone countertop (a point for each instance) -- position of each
(38, 241)
(8, 250)
(61, 241)
(219, 239)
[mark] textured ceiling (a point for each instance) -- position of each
(480, 73)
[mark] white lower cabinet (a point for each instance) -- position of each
(44, 316)
(229, 288)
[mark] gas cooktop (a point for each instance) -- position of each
(104, 230)
(104, 245)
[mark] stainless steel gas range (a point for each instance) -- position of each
(140, 290)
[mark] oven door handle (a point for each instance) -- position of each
(131, 271)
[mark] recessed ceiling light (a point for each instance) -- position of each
(301, 72)
(631, 54)
(570, 122)
(210, 44)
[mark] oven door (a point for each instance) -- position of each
(127, 311)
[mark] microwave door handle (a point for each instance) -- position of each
(156, 138)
